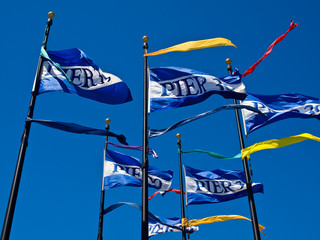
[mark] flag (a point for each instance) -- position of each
(173, 87)
(194, 45)
(269, 50)
(76, 128)
(212, 154)
(214, 219)
(122, 170)
(169, 190)
(72, 71)
(158, 132)
(277, 143)
(278, 107)
(216, 186)
(156, 227)
(156, 224)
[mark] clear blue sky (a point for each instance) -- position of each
(59, 194)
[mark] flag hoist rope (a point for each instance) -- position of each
(24, 141)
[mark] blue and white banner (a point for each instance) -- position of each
(278, 107)
(173, 87)
(72, 71)
(156, 227)
(216, 186)
(123, 170)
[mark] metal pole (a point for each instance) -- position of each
(184, 235)
(145, 162)
(102, 190)
(24, 142)
(253, 212)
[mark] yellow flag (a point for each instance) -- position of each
(213, 219)
(194, 45)
(277, 143)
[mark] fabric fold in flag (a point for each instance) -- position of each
(173, 87)
(212, 154)
(216, 186)
(76, 128)
(72, 71)
(279, 107)
(269, 50)
(277, 143)
(214, 219)
(156, 224)
(123, 170)
(158, 132)
(195, 45)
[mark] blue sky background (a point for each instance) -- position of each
(59, 194)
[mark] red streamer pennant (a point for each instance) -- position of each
(169, 190)
(279, 39)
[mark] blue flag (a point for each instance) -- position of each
(216, 186)
(156, 227)
(278, 107)
(72, 71)
(76, 128)
(173, 87)
(122, 170)
(156, 224)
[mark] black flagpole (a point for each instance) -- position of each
(145, 161)
(252, 206)
(24, 142)
(184, 235)
(102, 190)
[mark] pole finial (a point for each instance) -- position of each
(145, 38)
(228, 61)
(108, 120)
(178, 135)
(51, 15)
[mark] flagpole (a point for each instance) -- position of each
(184, 235)
(24, 142)
(145, 161)
(253, 212)
(99, 237)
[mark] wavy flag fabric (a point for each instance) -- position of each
(269, 50)
(278, 107)
(72, 71)
(214, 219)
(216, 186)
(123, 170)
(132, 147)
(194, 45)
(212, 154)
(158, 132)
(76, 128)
(156, 224)
(277, 143)
(173, 87)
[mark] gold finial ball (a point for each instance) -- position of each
(178, 135)
(228, 61)
(51, 15)
(145, 38)
(108, 120)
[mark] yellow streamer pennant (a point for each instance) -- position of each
(277, 143)
(214, 219)
(194, 45)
